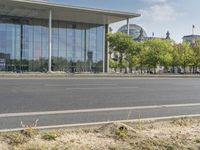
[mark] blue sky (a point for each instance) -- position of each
(158, 16)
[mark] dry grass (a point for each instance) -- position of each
(179, 134)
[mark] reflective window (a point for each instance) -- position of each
(24, 45)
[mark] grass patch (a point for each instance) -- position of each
(179, 134)
(15, 139)
(49, 136)
(183, 122)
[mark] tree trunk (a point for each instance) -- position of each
(173, 71)
(154, 69)
(193, 69)
(120, 62)
(126, 70)
(184, 68)
(141, 66)
(130, 70)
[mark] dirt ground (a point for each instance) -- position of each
(178, 134)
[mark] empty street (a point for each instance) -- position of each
(83, 100)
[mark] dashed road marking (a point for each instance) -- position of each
(96, 110)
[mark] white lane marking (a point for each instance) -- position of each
(70, 85)
(96, 110)
(100, 88)
(106, 122)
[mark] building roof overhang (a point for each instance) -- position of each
(40, 10)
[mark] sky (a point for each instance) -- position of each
(157, 16)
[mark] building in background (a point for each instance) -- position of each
(134, 31)
(190, 38)
(167, 37)
(41, 36)
(139, 34)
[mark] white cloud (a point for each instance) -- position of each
(160, 12)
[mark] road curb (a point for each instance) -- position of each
(65, 75)
(145, 120)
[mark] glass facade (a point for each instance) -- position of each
(24, 45)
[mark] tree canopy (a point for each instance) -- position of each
(151, 53)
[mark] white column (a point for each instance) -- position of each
(128, 32)
(50, 38)
(104, 50)
(108, 53)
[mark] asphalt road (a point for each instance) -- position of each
(42, 95)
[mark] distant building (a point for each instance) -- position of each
(190, 38)
(139, 34)
(134, 31)
(166, 38)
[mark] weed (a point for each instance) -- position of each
(139, 123)
(121, 132)
(49, 137)
(29, 130)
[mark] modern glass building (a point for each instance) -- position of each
(43, 36)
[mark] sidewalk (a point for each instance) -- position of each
(68, 75)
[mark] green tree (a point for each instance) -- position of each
(186, 55)
(158, 52)
(132, 54)
(196, 51)
(119, 42)
(166, 57)
(113, 64)
(175, 56)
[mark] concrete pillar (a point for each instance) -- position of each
(50, 38)
(108, 51)
(104, 49)
(128, 32)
